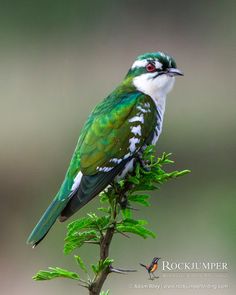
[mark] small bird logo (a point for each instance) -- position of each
(152, 267)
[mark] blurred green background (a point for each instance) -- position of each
(57, 60)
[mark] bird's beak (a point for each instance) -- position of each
(174, 72)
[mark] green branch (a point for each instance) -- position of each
(115, 217)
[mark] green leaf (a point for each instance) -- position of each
(131, 221)
(135, 227)
(85, 229)
(133, 179)
(137, 170)
(81, 263)
(79, 224)
(105, 210)
(78, 239)
(103, 197)
(56, 272)
(138, 230)
(105, 263)
(140, 199)
(121, 183)
(95, 268)
(145, 187)
(104, 292)
(183, 172)
(126, 213)
(101, 265)
(150, 150)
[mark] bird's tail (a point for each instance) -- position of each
(143, 265)
(46, 221)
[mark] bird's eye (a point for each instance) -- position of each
(150, 68)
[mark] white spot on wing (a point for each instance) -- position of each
(136, 130)
(126, 156)
(77, 180)
(147, 105)
(133, 141)
(115, 160)
(104, 169)
(141, 109)
(128, 167)
(137, 119)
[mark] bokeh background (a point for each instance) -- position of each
(57, 60)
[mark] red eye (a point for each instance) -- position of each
(150, 68)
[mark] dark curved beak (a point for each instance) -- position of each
(174, 72)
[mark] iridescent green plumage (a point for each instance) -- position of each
(115, 132)
(104, 146)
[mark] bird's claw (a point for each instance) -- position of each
(144, 163)
(124, 204)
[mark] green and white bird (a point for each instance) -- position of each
(114, 135)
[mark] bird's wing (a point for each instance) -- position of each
(111, 137)
(117, 134)
(117, 128)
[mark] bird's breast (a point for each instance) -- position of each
(154, 268)
(159, 123)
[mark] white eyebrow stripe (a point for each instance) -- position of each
(144, 62)
(158, 64)
(139, 63)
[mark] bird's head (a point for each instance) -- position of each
(154, 74)
(156, 259)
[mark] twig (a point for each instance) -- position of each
(96, 286)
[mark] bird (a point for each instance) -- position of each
(152, 267)
(116, 132)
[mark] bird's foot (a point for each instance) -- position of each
(145, 165)
(124, 204)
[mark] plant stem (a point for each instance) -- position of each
(96, 285)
